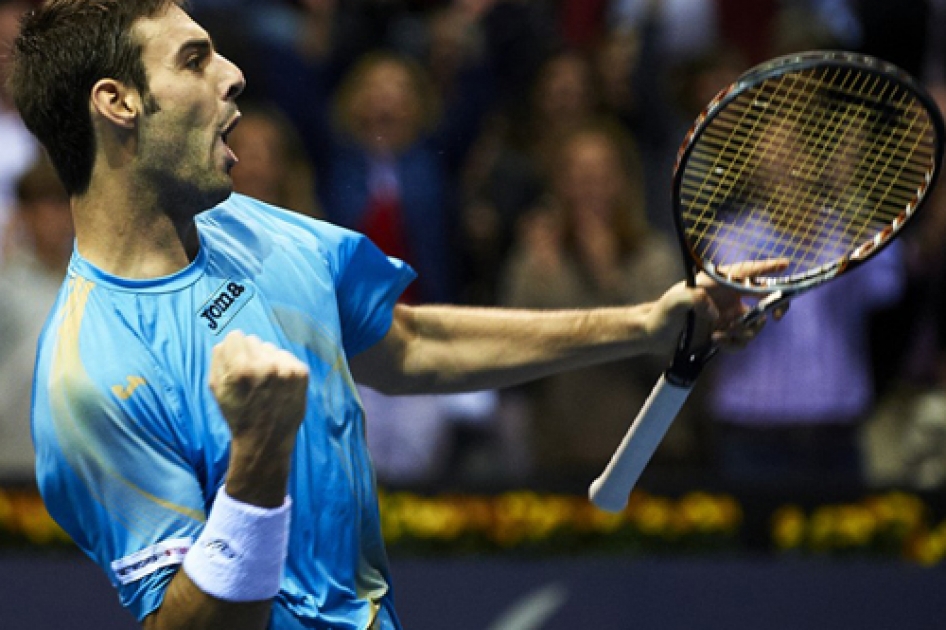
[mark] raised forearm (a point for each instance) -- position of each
(448, 349)
(234, 568)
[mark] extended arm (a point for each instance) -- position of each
(438, 349)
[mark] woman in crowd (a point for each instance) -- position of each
(589, 244)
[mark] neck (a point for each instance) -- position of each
(127, 230)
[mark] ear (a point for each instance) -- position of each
(116, 102)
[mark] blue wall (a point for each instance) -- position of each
(69, 593)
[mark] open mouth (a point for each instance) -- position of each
(225, 135)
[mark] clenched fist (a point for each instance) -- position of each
(261, 391)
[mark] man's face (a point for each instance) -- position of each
(182, 146)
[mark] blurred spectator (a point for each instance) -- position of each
(19, 147)
(463, 77)
(273, 166)
(591, 246)
(295, 53)
(632, 76)
(388, 175)
(511, 165)
(668, 103)
(791, 406)
(906, 439)
(617, 71)
(29, 283)
(564, 97)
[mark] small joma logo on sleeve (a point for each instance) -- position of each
(217, 312)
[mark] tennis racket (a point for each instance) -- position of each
(817, 160)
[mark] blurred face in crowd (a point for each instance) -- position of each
(591, 176)
(451, 42)
(564, 91)
(385, 107)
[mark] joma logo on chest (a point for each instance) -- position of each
(217, 312)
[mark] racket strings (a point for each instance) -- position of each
(810, 171)
(771, 145)
(816, 163)
(849, 220)
(793, 142)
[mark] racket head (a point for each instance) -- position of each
(818, 159)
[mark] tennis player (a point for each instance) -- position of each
(196, 422)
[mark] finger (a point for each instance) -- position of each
(290, 367)
(706, 316)
(752, 268)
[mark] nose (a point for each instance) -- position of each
(233, 80)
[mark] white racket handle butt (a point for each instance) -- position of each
(612, 488)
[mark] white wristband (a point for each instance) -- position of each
(239, 557)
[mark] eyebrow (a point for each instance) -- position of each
(201, 46)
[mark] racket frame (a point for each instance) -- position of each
(688, 362)
(612, 488)
(752, 78)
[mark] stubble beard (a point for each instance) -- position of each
(185, 180)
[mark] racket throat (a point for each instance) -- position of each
(687, 365)
(778, 299)
(687, 361)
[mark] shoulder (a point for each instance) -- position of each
(87, 350)
(240, 212)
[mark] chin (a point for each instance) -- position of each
(219, 195)
(213, 190)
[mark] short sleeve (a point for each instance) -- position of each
(110, 468)
(367, 284)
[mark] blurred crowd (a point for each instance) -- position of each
(519, 153)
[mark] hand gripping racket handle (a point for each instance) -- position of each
(611, 490)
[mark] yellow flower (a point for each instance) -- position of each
(706, 513)
(855, 526)
(654, 515)
(6, 511)
(822, 527)
(930, 549)
(788, 527)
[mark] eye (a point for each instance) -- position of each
(194, 63)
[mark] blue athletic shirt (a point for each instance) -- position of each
(132, 447)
